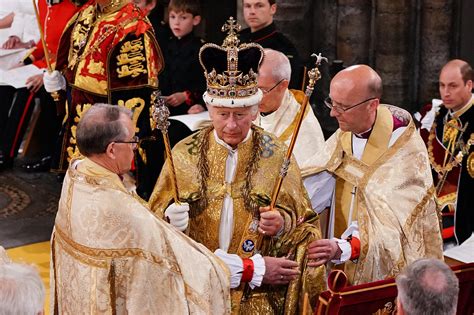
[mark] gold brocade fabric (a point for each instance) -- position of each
(396, 211)
(301, 223)
(282, 123)
(111, 255)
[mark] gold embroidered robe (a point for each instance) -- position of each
(301, 223)
(282, 123)
(394, 203)
(111, 255)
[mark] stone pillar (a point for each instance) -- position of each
(353, 31)
(393, 49)
(436, 38)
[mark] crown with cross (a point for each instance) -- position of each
(231, 70)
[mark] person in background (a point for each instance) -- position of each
(258, 15)
(447, 128)
(279, 112)
(182, 82)
(19, 103)
(108, 54)
(427, 286)
(21, 289)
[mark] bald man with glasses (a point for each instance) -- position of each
(383, 213)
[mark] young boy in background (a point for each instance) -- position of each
(182, 81)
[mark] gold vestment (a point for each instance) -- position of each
(200, 170)
(394, 202)
(111, 255)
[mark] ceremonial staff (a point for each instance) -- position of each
(160, 114)
(314, 75)
(55, 94)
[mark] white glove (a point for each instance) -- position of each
(54, 81)
(178, 215)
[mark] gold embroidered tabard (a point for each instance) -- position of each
(301, 223)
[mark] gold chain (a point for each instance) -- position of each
(440, 169)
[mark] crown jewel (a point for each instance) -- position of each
(231, 70)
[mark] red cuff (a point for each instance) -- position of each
(247, 273)
(355, 247)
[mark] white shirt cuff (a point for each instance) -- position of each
(346, 249)
(258, 270)
(236, 267)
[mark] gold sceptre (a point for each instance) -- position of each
(313, 75)
(160, 114)
(54, 94)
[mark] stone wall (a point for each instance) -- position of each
(405, 41)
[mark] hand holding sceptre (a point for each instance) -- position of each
(160, 114)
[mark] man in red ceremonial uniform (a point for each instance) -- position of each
(108, 54)
(448, 130)
(53, 17)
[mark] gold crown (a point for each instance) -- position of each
(231, 70)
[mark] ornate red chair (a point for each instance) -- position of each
(379, 297)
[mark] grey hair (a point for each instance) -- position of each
(100, 126)
(253, 108)
(21, 290)
(428, 286)
(280, 64)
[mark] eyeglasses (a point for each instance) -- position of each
(341, 110)
(268, 91)
(135, 141)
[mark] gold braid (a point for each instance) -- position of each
(251, 168)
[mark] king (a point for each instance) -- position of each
(224, 179)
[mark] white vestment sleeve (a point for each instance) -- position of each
(320, 188)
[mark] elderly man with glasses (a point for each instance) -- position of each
(279, 112)
(383, 213)
(110, 254)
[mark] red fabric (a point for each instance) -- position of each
(247, 273)
(188, 100)
(369, 298)
(20, 124)
(448, 232)
(355, 248)
(53, 20)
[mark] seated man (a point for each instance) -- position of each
(448, 130)
(106, 244)
(21, 289)
(383, 213)
(279, 112)
(427, 286)
(225, 174)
